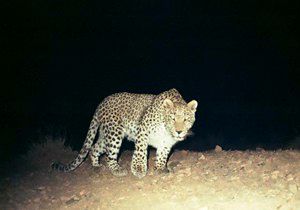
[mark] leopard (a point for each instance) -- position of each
(159, 121)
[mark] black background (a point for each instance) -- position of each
(238, 59)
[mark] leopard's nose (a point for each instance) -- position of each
(179, 132)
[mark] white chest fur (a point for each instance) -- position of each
(161, 138)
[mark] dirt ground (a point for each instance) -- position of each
(215, 179)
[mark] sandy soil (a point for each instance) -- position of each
(209, 180)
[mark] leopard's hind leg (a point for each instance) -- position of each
(113, 143)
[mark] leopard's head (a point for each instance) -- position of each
(179, 118)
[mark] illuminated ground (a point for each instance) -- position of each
(211, 180)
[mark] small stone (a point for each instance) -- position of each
(250, 171)
(293, 188)
(275, 174)
(242, 167)
(233, 178)
(36, 200)
(82, 192)
(72, 200)
(260, 149)
(66, 183)
(186, 172)
(265, 177)
(184, 152)
(164, 188)
(218, 148)
(45, 197)
(139, 185)
(173, 165)
(290, 177)
(202, 157)
(41, 188)
(64, 198)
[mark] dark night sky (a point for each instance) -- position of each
(240, 60)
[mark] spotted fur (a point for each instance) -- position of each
(157, 120)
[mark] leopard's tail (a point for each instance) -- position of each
(83, 152)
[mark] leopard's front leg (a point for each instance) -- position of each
(139, 159)
(161, 160)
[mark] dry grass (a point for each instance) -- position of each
(41, 155)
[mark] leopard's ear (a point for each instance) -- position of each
(168, 104)
(193, 105)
